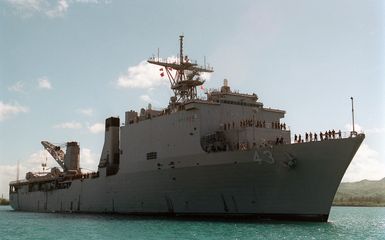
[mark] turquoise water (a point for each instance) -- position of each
(344, 223)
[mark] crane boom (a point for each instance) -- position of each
(55, 152)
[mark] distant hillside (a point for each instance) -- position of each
(4, 201)
(362, 193)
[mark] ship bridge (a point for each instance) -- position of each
(227, 96)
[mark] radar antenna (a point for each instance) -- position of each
(186, 77)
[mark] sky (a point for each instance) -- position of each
(66, 65)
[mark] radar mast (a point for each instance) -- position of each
(184, 75)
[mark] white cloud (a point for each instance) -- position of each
(7, 174)
(365, 165)
(69, 125)
(88, 160)
(92, 1)
(86, 111)
(206, 76)
(146, 98)
(375, 130)
(349, 127)
(96, 128)
(17, 87)
(33, 163)
(87, 1)
(49, 8)
(143, 75)
(8, 110)
(26, 7)
(59, 10)
(29, 8)
(44, 83)
(359, 128)
(147, 76)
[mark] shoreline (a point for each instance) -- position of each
(358, 205)
(4, 202)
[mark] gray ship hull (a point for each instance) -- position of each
(288, 181)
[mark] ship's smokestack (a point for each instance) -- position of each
(225, 88)
(71, 158)
(110, 154)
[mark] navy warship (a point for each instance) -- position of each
(226, 155)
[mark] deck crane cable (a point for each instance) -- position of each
(56, 153)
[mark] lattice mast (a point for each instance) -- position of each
(184, 75)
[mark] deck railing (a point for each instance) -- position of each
(323, 136)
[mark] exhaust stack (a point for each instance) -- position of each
(110, 157)
(72, 157)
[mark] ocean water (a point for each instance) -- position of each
(344, 223)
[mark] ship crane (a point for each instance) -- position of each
(56, 153)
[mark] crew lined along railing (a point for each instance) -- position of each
(322, 136)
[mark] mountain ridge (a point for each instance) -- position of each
(361, 193)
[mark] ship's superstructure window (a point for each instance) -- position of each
(151, 155)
